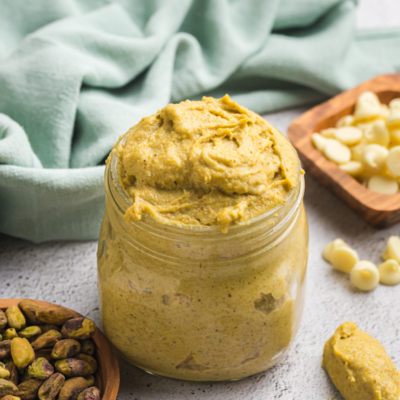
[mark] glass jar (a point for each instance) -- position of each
(194, 303)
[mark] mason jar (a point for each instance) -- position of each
(197, 304)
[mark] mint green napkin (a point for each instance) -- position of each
(76, 74)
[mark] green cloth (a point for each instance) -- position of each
(76, 74)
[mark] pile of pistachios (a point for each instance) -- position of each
(46, 352)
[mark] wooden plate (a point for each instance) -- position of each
(107, 376)
(379, 210)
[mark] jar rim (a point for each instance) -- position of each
(276, 217)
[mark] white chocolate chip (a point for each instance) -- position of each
(393, 249)
(318, 141)
(349, 135)
(374, 157)
(378, 133)
(357, 151)
(336, 151)
(389, 272)
(393, 120)
(328, 133)
(344, 258)
(368, 106)
(347, 120)
(365, 126)
(393, 161)
(360, 143)
(365, 275)
(385, 111)
(383, 184)
(395, 103)
(328, 249)
(353, 168)
(395, 135)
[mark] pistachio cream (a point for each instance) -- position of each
(359, 366)
(178, 297)
(202, 163)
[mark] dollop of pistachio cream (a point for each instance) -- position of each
(205, 163)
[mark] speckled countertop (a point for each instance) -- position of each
(66, 273)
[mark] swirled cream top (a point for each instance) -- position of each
(205, 163)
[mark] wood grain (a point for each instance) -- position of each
(379, 210)
(107, 377)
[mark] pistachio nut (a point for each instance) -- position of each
(51, 387)
(9, 397)
(15, 318)
(72, 367)
(30, 332)
(12, 369)
(78, 328)
(40, 369)
(90, 360)
(5, 349)
(93, 393)
(44, 353)
(10, 334)
(44, 342)
(89, 380)
(66, 348)
(28, 390)
(72, 388)
(55, 315)
(4, 373)
(53, 332)
(3, 320)
(29, 308)
(49, 327)
(22, 352)
(7, 387)
(88, 347)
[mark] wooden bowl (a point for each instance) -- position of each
(107, 376)
(379, 210)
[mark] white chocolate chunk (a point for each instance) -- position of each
(393, 161)
(336, 151)
(365, 275)
(328, 249)
(374, 157)
(353, 168)
(383, 184)
(344, 258)
(318, 141)
(368, 106)
(328, 133)
(347, 120)
(349, 135)
(378, 133)
(389, 272)
(392, 251)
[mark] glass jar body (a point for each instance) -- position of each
(202, 306)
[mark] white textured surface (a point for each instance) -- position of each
(66, 273)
